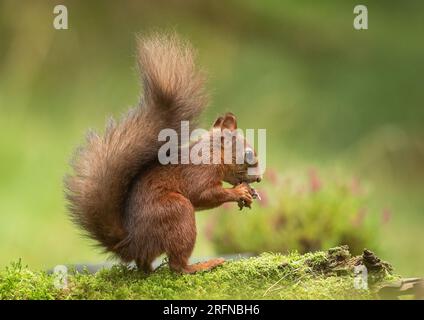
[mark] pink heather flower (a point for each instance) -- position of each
(271, 175)
(355, 186)
(264, 198)
(386, 215)
(226, 205)
(314, 181)
(209, 228)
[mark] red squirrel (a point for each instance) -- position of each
(119, 193)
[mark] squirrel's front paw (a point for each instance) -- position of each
(243, 195)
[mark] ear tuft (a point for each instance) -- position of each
(218, 122)
(230, 122)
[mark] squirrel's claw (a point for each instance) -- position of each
(256, 195)
(253, 193)
(241, 204)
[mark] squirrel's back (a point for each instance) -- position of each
(105, 166)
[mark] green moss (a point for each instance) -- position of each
(269, 276)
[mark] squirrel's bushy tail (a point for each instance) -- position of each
(105, 166)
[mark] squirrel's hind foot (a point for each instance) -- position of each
(201, 266)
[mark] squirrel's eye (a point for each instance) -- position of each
(250, 157)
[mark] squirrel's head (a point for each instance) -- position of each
(239, 160)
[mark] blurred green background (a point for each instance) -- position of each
(331, 98)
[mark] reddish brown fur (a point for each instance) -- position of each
(120, 194)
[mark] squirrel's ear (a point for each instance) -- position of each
(218, 122)
(230, 122)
